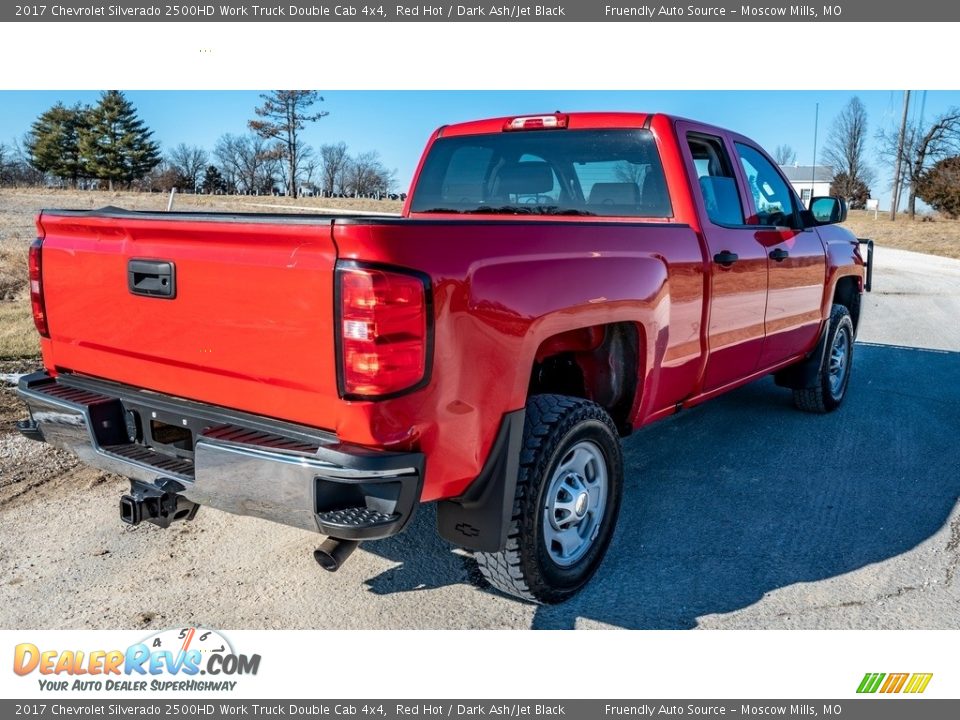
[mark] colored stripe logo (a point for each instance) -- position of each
(913, 683)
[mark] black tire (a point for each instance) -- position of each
(827, 395)
(555, 426)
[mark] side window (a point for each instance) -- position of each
(718, 185)
(771, 194)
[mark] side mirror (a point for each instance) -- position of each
(828, 210)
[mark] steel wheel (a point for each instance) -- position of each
(839, 360)
(566, 503)
(828, 369)
(574, 503)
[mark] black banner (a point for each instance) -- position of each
(546, 11)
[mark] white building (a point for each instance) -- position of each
(809, 181)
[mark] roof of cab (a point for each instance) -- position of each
(585, 121)
(575, 121)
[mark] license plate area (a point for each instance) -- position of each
(167, 433)
(163, 434)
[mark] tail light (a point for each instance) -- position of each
(36, 289)
(384, 330)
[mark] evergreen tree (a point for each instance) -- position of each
(116, 145)
(213, 182)
(53, 143)
(855, 191)
(939, 186)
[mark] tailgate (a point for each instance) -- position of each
(250, 325)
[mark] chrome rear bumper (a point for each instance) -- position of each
(233, 461)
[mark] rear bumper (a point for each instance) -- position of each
(240, 463)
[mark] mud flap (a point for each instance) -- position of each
(480, 518)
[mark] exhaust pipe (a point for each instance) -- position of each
(334, 553)
(159, 504)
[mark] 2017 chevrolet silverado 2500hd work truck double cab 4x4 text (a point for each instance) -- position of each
(554, 283)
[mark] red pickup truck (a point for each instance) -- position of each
(554, 283)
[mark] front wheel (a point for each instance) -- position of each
(833, 373)
(566, 504)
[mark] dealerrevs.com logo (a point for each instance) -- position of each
(169, 660)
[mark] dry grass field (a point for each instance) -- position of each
(19, 207)
(936, 236)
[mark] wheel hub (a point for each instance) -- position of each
(580, 506)
(574, 503)
(838, 361)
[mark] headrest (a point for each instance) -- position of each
(525, 178)
(619, 193)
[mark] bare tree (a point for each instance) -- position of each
(20, 168)
(334, 159)
(285, 114)
(311, 163)
(163, 177)
(923, 146)
(367, 175)
(188, 162)
(247, 163)
(10, 167)
(343, 177)
(307, 164)
(846, 147)
(784, 155)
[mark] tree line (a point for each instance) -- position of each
(929, 156)
(109, 145)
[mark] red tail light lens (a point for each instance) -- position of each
(537, 122)
(384, 330)
(36, 289)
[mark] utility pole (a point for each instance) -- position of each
(895, 200)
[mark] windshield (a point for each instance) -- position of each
(545, 172)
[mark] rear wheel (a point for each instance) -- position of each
(833, 373)
(566, 504)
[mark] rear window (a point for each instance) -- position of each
(545, 172)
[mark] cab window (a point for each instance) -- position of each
(718, 185)
(772, 196)
(603, 173)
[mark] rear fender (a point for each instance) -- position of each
(560, 297)
(549, 311)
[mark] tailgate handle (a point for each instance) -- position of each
(152, 278)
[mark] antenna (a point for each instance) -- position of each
(813, 168)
